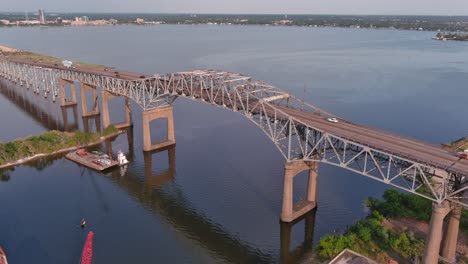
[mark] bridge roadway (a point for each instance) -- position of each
(385, 141)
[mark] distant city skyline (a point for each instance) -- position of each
(339, 7)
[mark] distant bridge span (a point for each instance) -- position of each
(299, 130)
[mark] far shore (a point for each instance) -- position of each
(62, 151)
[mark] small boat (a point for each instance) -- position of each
(87, 255)
(121, 158)
(3, 259)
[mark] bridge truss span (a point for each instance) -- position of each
(299, 130)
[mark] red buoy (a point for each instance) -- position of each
(87, 255)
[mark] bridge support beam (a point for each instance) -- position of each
(63, 100)
(150, 115)
(431, 253)
(84, 105)
(291, 212)
(449, 244)
(106, 96)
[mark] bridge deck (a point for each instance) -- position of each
(386, 141)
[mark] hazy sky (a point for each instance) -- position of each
(404, 7)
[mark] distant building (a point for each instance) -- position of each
(59, 20)
(4, 21)
(140, 21)
(85, 19)
(113, 21)
(42, 19)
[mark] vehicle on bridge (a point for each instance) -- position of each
(332, 119)
(463, 155)
(68, 64)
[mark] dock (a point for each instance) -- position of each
(90, 160)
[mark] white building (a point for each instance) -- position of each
(42, 19)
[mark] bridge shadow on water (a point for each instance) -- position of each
(156, 189)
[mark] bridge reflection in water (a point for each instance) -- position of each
(150, 191)
(178, 212)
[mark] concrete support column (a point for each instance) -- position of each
(449, 244)
(288, 185)
(63, 100)
(431, 253)
(150, 115)
(106, 96)
(289, 211)
(84, 105)
(312, 184)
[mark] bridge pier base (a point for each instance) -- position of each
(106, 96)
(291, 212)
(431, 253)
(449, 243)
(84, 105)
(63, 99)
(150, 115)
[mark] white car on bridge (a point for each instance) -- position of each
(332, 119)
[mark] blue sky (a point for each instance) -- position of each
(379, 7)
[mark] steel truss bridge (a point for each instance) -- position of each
(299, 130)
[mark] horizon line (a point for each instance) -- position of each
(202, 13)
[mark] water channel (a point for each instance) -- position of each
(216, 196)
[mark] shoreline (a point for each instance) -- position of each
(61, 151)
(221, 24)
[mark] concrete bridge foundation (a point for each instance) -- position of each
(84, 105)
(291, 212)
(434, 238)
(449, 242)
(63, 100)
(106, 96)
(150, 115)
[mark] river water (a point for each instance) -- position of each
(216, 196)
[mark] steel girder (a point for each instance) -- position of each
(265, 106)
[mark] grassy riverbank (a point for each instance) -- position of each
(41, 57)
(374, 236)
(457, 145)
(47, 143)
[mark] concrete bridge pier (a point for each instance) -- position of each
(449, 242)
(434, 238)
(84, 105)
(153, 114)
(291, 212)
(63, 100)
(106, 96)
